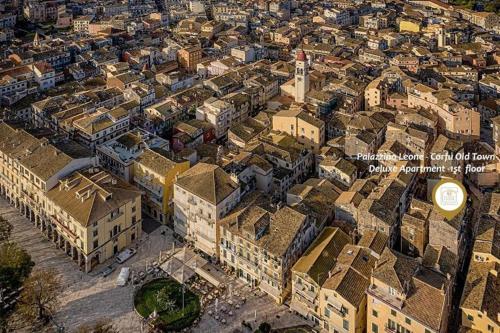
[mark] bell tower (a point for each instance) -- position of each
(301, 77)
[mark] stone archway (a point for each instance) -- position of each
(95, 260)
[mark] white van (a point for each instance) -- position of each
(125, 255)
(122, 278)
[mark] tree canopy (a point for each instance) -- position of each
(15, 265)
(39, 296)
(5, 229)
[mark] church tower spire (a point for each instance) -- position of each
(36, 40)
(301, 76)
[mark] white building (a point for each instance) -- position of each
(217, 112)
(203, 195)
(100, 126)
(244, 54)
(45, 75)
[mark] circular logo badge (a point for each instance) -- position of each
(449, 197)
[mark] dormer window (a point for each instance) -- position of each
(115, 213)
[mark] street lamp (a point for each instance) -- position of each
(182, 298)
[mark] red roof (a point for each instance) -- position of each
(301, 56)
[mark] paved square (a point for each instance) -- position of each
(89, 297)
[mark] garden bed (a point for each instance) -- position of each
(165, 296)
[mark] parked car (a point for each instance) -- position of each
(108, 271)
(122, 278)
(125, 255)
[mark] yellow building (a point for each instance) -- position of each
(312, 269)
(155, 174)
(92, 216)
(409, 25)
(406, 297)
(308, 130)
(376, 93)
(261, 246)
(343, 295)
(480, 302)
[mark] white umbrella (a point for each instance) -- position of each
(183, 274)
(185, 254)
(171, 266)
(195, 262)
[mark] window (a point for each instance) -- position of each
(345, 324)
(470, 318)
(374, 328)
(393, 312)
(327, 312)
(490, 328)
(427, 331)
(96, 244)
(374, 313)
(94, 233)
(115, 213)
(408, 321)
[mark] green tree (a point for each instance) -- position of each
(163, 300)
(15, 265)
(39, 297)
(5, 229)
(264, 327)
(492, 6)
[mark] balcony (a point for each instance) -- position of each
(247, 262)
(229, 248)
(385, 297)
(270, 275)
(154, 198)
(340, 311)
(390, 330)
(65, 229)
(204, 236)
(5, 178)
(29, 199)
(147, 183)
(300, 296)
